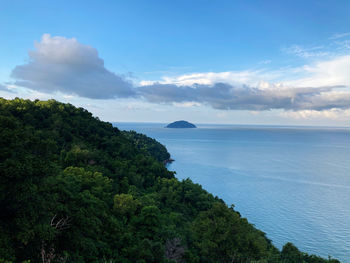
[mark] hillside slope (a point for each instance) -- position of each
(76, 189)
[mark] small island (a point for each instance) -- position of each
(181, 124)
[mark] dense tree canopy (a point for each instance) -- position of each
(76, 189)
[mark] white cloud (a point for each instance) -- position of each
(265, 62)
(247, 77)
(302, 52)
(330, 72)
(331, 114)
(65, 65)
(343, 44)
(340, 35)
(188, 104)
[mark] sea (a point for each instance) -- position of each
(293, 183)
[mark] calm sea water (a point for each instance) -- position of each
(291, 182)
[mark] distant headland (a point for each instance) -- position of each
(181, 124)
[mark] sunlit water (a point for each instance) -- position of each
(291, 182)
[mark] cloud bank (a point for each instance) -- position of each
(59, 64)
(65, 65)
(227, 97)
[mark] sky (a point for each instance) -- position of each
(233, 62)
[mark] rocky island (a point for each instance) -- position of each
(181, 124)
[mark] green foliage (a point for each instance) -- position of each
(125, 205)
(148, 145)
(221, 235)
(291, 254)
(76, 189)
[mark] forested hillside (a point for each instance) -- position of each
(76, 189)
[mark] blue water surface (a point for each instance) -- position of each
(291, 182)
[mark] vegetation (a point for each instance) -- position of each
(76, 189)
(148, 145)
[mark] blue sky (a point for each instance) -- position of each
(257, 62)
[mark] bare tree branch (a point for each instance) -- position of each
(61, 224)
